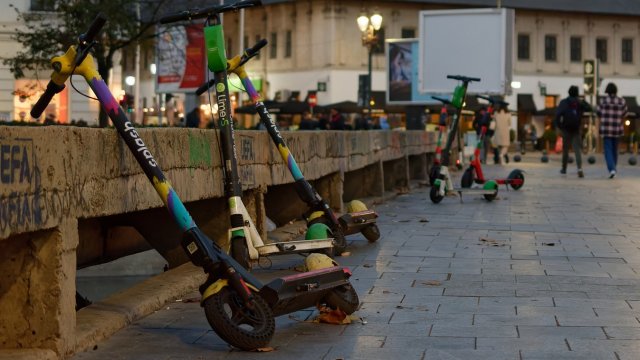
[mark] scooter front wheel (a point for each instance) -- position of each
(344, 298)
(340, 245)
(371, 233)
(240, 326)
(239, 252)
(434, 173)
(434, 194)
(467, 178)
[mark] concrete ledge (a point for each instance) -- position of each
(102, 319)
(28, 354)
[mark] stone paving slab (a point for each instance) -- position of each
(556, 277)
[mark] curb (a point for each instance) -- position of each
(102, 319)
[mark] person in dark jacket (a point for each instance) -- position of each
(483, 118)
(571, 131)
(336, 120)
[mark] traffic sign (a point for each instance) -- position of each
(590, 74)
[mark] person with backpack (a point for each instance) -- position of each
(569, 120)
(611, 111)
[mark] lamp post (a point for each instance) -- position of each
(368, 25)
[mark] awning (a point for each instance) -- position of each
(526, 103)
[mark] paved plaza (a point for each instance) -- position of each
(548, 272)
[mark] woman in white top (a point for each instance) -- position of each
(501, 138)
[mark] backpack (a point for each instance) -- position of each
(569, 119)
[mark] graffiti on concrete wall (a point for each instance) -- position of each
(27, 205)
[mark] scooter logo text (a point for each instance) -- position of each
(141, 147)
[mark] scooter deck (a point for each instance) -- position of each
(300, 291)
(473, 191)
(295, 246)
(354, 222)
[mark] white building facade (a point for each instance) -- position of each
(316, 45)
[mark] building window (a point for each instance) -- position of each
(287, 45)
(523, 47)
(273, 49)
(258, 38)
(550, 48)
(41, 5)
(576, 48)
(601, 49)
(627, 50)
(408, 33)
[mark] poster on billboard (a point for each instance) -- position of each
(180, 59)
(402, 73)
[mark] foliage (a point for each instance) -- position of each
(49, 33)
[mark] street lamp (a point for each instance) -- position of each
(368, 25)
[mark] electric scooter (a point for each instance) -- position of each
(473, 174)
(239, 308)
(321, 220)
(443, 184)
(442, 128)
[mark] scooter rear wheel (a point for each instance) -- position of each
(244, 328)
(344, 298)
(239, 252)
(434, 194)
(467, 178)
(371, 233)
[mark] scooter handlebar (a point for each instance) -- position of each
(197, 13)
(45, 99)
(248, 54)
(94, 29)
(442, 100)
(462, 78)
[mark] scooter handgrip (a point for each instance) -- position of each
(45, 99)
(255, 48)
(204, 87)
(94, 28)
(183, 15)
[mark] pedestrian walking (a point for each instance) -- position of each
(611, 111)
(569, 120)
(483, 119)
(501, 137)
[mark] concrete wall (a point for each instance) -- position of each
(75, 196)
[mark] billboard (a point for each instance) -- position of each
(180, 65)
(402, 73)
(470, 42)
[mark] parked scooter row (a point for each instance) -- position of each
(239, 307)
(439, 176)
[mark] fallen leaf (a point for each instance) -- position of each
(264, 349)
(432, 283)
(346, 253)
(330, 316)
(367, 265)
(424, 220)
(549, 244)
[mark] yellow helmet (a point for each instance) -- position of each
(314, 215)
(356, 206)
(316, 261)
